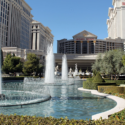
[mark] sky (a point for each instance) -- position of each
(66, 18)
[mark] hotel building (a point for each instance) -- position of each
(15, 24)
(41, 37)
(87, 43)
(115, 23)
(83, 49)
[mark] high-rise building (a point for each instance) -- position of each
(116, 21)
(15, 24)
(41, 36)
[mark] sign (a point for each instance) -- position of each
(81, 39)
(90, 39)
(84, 39)
(123, 3)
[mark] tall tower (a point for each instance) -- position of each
(116, 21)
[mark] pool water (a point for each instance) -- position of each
(66, 101)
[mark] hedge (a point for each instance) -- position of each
(32, 120)
(17, 78)
(118, 82)
(89, 84)
(12, 78)
(111, 89)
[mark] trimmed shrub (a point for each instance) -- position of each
(111, 89)
(88, 84)
(98, 79)
(118, 82)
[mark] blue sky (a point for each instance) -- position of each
(68, 17)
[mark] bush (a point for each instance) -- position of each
(111, 89)
(98, 79)
(118, 82)
(32, 120)
(88, 84)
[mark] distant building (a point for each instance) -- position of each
(15, 23)
(116, 21)
(87, 43)
(41, 36)
(22, 53)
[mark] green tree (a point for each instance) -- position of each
(12, 64)
(111, 63)
(31, 65)
(97, 66)
(123, 60)
(40, 69)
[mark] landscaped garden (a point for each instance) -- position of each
(106, 78)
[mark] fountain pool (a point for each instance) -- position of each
(66, 101)
(64, 98)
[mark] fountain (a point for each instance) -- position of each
(76, 70)
(49, 74)
(70, 73)
(52, 78)
(17, 94)
(2, 96)
(57, 73)
(64, 68)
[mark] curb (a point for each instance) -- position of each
(119, 107)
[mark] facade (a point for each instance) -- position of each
(87, 43)
(22, 53)
(41, 37)
(84, 61)
(15, 24)
(115, 23)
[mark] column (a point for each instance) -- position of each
(81, 46)
(38, 40)
(9, 24)
(94, 42)
(34, 41)
(87, 47)
(74, 47)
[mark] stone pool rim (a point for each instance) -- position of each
(35, 101)
(119, 107)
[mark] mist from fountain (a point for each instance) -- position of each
(64, 68)
(50, 61)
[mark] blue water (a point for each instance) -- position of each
(66, 101)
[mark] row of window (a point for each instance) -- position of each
(19, 2)
(25, 27)
(4, 4)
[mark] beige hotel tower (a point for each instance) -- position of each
(19, 33)
(15, 23)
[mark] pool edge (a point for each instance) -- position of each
(119, 107)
